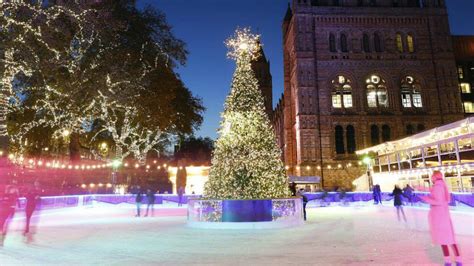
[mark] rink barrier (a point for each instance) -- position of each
(321, 198)
(56, 202)
(245, 214)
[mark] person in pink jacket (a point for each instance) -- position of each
(441, 226)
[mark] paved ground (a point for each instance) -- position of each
(368, 235)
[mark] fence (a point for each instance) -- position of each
(466, 199)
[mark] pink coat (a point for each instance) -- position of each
(441, 226)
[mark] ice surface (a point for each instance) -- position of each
(111, 235)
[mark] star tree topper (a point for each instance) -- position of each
(243, 44)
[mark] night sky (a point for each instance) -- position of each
(205, 24)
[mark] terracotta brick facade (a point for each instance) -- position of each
(358, 73)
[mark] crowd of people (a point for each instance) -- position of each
(9, 202)
(439, 218)
(441, 226)
(149, 195)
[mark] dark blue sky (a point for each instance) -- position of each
(205, 24)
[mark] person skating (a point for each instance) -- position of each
(293, 189)
(180, 196)
(397, 202)
(305, 201)
(408, 192)
(8, 204)
(32, 198)
(150, 196)
(138, 201)
(377, 194)
(441, 226)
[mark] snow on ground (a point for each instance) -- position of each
(110, 235)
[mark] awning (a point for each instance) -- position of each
(305, 179)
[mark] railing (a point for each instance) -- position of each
(53, 202)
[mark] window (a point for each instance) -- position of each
(377, 43)
(409, 130)
(374, 135)
(366, 43)
(410, 44)
(468, 107)
(377, 95)
(341, 93)
(386, 133)
(350, 139)
(343, 43)
(337, 3)
(460, 72)
(360, 2)
(411, 93)
(332, 43)
(399, 43)
(336, 101)
(465, 87)
(339, 138)
(373, 2)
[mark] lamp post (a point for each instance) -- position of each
(115, 165)
(367, 161)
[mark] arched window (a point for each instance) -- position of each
(410, 43)
(332, 43)
(350, 139)
(377, 95)
(377, 43)
(374, 135)
(409, 130)
(339, 138)
(366, 43)
(344, 43)
(420, 128)
(411, 93)
(399, 42)
(341, 93)
(386, 133)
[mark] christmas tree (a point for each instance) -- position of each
(246, 163)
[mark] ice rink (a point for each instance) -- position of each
(111, 235)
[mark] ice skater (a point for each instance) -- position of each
(377, 194)
(32, 199)
(397, 202)
(180, 196)
(150, 196)
(293, 189)
(138, 201)
(305, 201)
(408, 192)
(441, 226)
(8, 204)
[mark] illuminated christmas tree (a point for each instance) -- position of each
(246, 163)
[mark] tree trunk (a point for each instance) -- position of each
(74, 148)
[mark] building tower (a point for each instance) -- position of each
(358, 73)
(261, 67)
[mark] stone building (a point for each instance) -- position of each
(261, 68)
(358, 73)
(464, 54)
